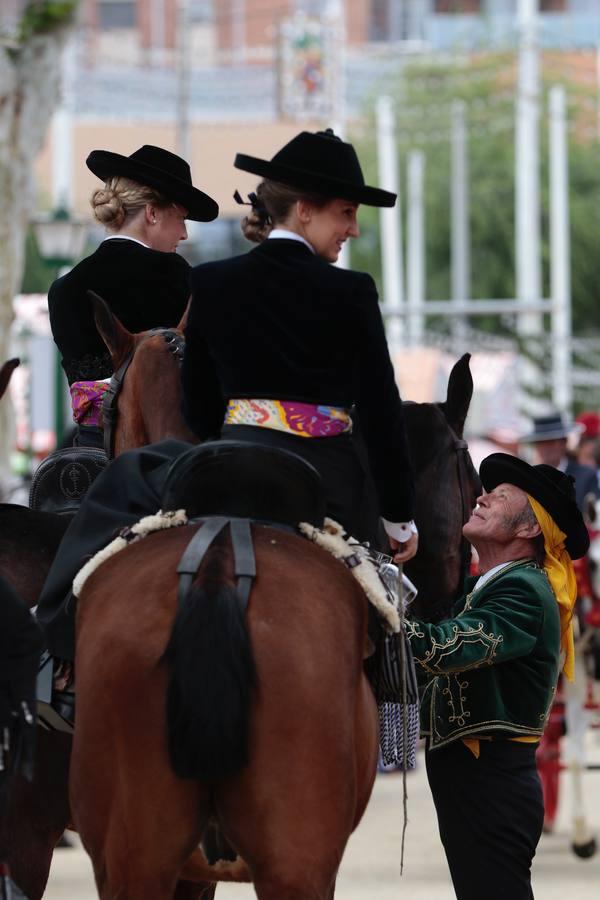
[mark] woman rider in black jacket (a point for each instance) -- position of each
(143, 205)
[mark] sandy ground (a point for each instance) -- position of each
(371, 865)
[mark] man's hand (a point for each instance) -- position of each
(405, 550)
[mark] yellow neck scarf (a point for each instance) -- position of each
(559, 569)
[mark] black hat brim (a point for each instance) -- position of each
(314, 181)
(200, 207)
(500, 468)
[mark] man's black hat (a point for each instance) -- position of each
(554, 490)
(159, 169)
(320, 163)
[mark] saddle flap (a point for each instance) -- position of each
(245, 480)
(62, 479)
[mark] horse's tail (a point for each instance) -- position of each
(212, 676)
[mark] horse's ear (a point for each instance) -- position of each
(5, 373)
(116, 337)
(184, 319)
(460, 391)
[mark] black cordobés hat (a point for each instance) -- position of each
(159, 169)
(321, 163)
(554, 490)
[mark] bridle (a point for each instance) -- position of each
(461, 448)
(176, 344)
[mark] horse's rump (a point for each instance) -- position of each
(312, 720)
(306, 621)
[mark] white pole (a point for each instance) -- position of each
(335, 18)
(183, 80)
(157, 32)
(459, 231)
(598, 87)
(527, 169)
(62, 134)
(560, 255)
(238, 31)
(390, 220)
(416, 246)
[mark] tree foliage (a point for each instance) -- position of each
(30, 68)
(424, 93)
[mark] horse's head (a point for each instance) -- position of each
(146, 387)
(5, 373)
(446, 487)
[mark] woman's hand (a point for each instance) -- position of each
(404, 550)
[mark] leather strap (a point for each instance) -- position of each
(194, 554)
(243, 555)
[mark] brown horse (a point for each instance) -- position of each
(273, 735)
(46, 811)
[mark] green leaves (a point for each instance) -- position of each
(42, 16)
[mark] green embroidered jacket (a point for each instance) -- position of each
(492, 668)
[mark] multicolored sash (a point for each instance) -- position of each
(86, 400)
(302, 419)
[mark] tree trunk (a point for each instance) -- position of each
(29, 92)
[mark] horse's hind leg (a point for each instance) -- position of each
(37, 815)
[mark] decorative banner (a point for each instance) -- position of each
(309, 69)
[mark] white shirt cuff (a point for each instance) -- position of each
(400, 531)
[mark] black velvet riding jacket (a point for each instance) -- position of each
(280, 323)
(144, 288)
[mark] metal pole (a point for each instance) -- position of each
(157, 32)
(415, 246)
(598, 88)
(238, 31)
(335, 19)
(62, 133)
(527, 251)
(183, 79)
(390, 219)
(560, 255)
(459, 231)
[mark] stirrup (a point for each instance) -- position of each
(55, 708)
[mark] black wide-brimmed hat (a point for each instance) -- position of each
(550, 427)
(554, 490)
(159, 169)
(321, 163)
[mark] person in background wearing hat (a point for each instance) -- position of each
(284, 344)
(143, 205)
(588, 448)
(491, 672)
(549, 440)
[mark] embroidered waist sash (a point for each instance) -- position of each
(302, 419)
(86, 401)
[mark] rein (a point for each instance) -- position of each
(110, 411)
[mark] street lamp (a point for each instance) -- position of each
(61, 240)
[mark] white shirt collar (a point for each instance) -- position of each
(290, 236)
(125, 237)
(487, 575)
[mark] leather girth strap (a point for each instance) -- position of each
(243, 555)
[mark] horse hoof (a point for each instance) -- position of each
(585, 851)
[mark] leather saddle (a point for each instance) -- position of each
(239, 479)
(63, 478)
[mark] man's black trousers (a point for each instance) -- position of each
(490, 814)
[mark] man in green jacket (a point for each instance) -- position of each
(491, 673)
